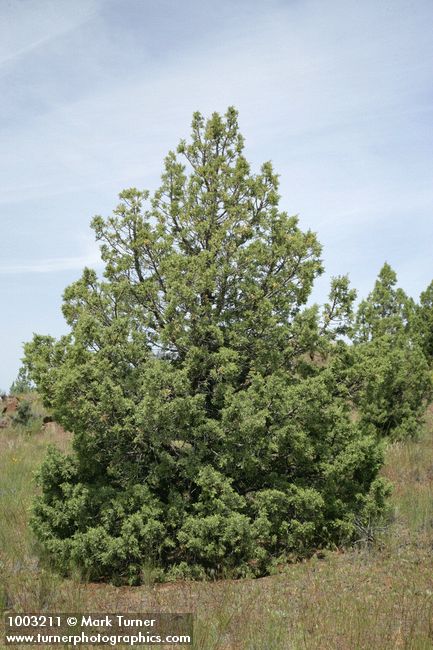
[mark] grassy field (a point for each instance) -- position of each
(376, 597)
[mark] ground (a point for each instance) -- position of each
(377, 596)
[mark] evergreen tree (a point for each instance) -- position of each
(424, 322)
(22, 383)
(388, 368)
(208, 439)
(386, 311)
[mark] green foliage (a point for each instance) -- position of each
(22, 383)
(424, 322)
(395, 386)
(23, 413)
(386, 311)
(208, 438)
(389, 372)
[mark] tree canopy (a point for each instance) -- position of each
(390, 367)
(212, 409)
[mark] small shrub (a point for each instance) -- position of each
(23, 414)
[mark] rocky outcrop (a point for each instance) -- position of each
(9, 404)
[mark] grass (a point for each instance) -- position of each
(380, 597)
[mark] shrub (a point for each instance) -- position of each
(23, 413)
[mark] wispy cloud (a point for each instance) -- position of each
(325, 98)
(337, 94)
(27, 26)
(52, 265)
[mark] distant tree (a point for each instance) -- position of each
(424, 322)
(387, 310)
(208, 438)
(22, 383)
(389, 369)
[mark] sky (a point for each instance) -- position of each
(94, 93)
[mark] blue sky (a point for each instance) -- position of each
(338, 94)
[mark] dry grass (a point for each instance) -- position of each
(371, 598)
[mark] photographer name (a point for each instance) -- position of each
(118, 620)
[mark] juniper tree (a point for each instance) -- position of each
(424, 322)
(389, 369)
(208, 440)
(22, 383)
(386, 311)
